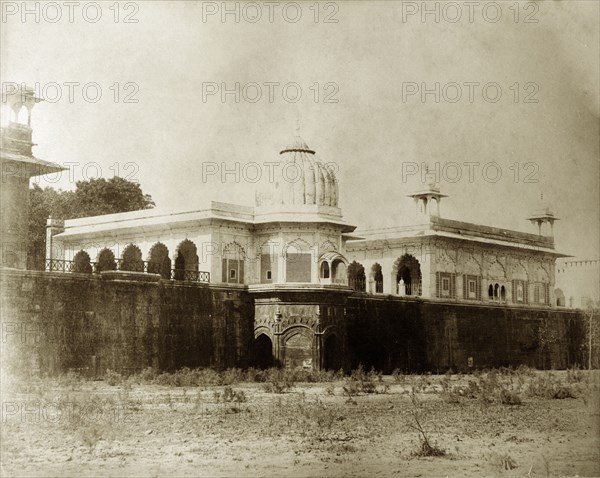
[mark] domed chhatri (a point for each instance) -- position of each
(300, 178)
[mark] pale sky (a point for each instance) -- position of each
(371, 133)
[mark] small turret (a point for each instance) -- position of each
(544, 218)
(424, 198)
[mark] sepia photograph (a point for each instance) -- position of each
(300, 238)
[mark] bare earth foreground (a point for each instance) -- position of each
(362, 427)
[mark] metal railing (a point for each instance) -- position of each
(59, 265)
(357, 284)
(410, 289)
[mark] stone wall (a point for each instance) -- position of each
(53, 322)
(416, 335)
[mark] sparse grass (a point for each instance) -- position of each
(418, 417)
(547, 385)
(445, 416)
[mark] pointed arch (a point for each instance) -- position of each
(357, 278)
(496, 270)
(232, 263)
(82, 263)
(106, 261)
(519, 272)
(186, 260)
(327, 246)
(408, 269)
(159, 261)
(132, 259)
(377, 275)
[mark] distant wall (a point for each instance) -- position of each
(52, 322)
(415, 335)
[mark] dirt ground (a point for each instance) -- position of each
(312, 429)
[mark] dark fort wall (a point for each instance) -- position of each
(414, 335)
(54, 322)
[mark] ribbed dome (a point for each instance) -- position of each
(300, 178)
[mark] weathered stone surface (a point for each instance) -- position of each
(423, 335)
(53, 322)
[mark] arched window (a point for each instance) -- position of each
(491, 292)
(496, 292)
(502, 293)
(81, 263)
(408, 269)
(377, 276)
(324, 270)
(106, 261)
(560, 298)
(339, 272)
(186, 261)
(132, 259)
(357, 279)
(159, 262)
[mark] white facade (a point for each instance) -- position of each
(295, 234)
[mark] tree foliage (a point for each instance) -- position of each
(90, 198)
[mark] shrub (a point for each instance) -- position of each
(113, 378)
(508, 397)
(575, 375)
(278, 381)
(563, 391)
(147, 375)
(548, 386)
(418, 414)
(230, 395)
(398, 376)
(361, 381)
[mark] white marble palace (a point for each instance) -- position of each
(295, 237)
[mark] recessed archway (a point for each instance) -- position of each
(407, 269)
(81, 263)
(106, 261)
(332, 353)
(132, 259)
(159, 261)
(339, 272)
(262, 352)
(357, 279)
(299, 348)
(324, 270)
(560, 298)
(377, 276)
(186, 260)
